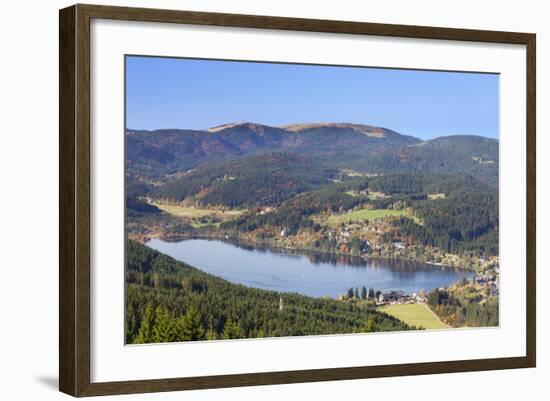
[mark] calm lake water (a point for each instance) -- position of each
(305, 273)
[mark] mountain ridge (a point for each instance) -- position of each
(360, 147)
(367, 129)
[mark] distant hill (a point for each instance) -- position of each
(366, 130)
(464, 154)
(253, 180)
(342, 145)
(172, 150)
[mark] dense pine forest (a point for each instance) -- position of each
(266, 179)
(167, 300)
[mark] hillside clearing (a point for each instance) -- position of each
(377, 195)
(356, 193)
(365, 214)
(192, 212)
(436, 196)
(418, 315)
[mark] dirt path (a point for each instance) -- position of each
(437, 317)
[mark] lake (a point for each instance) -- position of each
(305, 273)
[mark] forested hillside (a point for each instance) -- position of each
(464, 154)
(167, 300)
(344, 146)
(453, 213)
(250, 181)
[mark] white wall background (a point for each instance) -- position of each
(28, 201)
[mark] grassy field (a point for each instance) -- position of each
(192, 212)
(376, 195)
(355, 193)
(436, 196)
(365, 214)
(414, 314)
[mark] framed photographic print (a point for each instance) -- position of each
(250, 200)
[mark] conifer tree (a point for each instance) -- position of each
(132, 320)
(370, 326)
(211, 334)
(163, 332)
(145, 333)
(189, 327)
(231, 330)
(371, 293)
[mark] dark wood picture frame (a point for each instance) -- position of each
(74, 199)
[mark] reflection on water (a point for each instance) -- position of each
(314, 274)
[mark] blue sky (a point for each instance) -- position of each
(198, 94)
